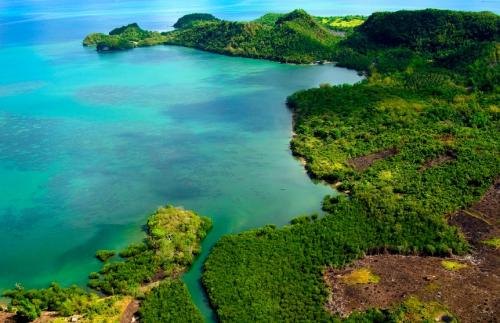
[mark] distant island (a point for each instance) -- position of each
(414, 151)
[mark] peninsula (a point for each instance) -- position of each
(292, 38)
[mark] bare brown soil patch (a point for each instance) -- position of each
(481, 221)
(159, 276)
(472, 293)
(6, 317)
(363, 162)
(130, 311)
(447, 157)
(46, 317)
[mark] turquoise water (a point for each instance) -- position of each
(91, 144)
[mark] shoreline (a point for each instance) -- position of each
(228, 54)
(385, 180)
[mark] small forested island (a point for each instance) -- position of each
(147, 273)
(414, 151)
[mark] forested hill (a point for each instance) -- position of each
(295, 37)
(431, 29)
(463, 43)
(191, 19)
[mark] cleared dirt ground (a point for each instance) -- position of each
(471, 293)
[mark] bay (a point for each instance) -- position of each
(91, 144)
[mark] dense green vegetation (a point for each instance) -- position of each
(299, 38)
(105, 255)
(126, 37)
(65, 301)
(93, 39)
(172, 243)
(171, 246)
(430, 107)
(295, 37)
(189, 20)
(269, 19)
(458, 41)
(169, 302)
(431, 29)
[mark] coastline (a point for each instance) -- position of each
(383, 177)
(369, 120)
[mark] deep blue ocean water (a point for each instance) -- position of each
(91, 144)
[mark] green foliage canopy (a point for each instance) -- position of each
(169, 302)
(189, 20)
(439, 116)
